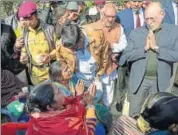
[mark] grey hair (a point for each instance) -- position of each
(158, 4)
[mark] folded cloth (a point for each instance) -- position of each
(125, 126)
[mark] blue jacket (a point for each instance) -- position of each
(169, 17)
(126, 19)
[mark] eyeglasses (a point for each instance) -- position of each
(151, 19)
(107, 16)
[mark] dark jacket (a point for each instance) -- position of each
(12, 21)
(7, 41)
(166, 57)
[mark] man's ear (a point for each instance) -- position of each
(163, 14)
(49, 108)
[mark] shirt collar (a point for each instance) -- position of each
(35, 30)
(174, 3)
(140, 11)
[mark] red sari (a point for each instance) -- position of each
(69, 122)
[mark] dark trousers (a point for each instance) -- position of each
(147, 88)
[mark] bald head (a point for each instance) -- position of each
(155, 7)
(110, 7)
(108, 14)
(154, 15)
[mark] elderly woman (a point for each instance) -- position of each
(49, 108)
(85, 52)
(159, 116)
(60, 73)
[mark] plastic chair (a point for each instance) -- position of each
(14, 128)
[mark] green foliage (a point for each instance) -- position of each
(119, 2)
(9, 7)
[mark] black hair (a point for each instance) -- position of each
(163, 112)
(40, 97)
(55, 70)
(70, 34)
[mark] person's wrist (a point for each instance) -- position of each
(16, 97)
(90, 106)
(18, 49)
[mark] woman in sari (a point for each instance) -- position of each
(54, 114)
(61, 74)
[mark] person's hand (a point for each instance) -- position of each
(19, 43)
(21, 95)
(79, 88)
(72, 16)
(63, 18)
(24, 59)
(147, 46)
(45, 59)
(92, 94)
(152, 41)
(114, 57)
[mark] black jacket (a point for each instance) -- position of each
(7, 41)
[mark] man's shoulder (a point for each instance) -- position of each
(45, 25)
(124, 12)
(9, 19)
(170, 28)
(165, 3)
(94, 28)
(5, 28)
(139, 30)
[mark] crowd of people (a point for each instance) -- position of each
(68, 65)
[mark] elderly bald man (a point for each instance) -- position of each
(151, 52)
(116, 38)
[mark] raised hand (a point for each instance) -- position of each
(79, 88)
(92, 93)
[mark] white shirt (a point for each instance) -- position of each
(175, 12)
(141, 15)
(118, 47)
(122, 43)
(86, 69)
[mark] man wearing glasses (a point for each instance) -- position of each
(115, 36)
(151, 53)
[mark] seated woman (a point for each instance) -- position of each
(11, 88)
(159, 116)
(85, 52)
(61, 75)
(49, 108)
(60, 72)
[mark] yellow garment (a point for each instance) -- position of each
(65, 54)
(143, 125)
(98, 48)
(38, 46)
(18, 32)
(90, 113)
